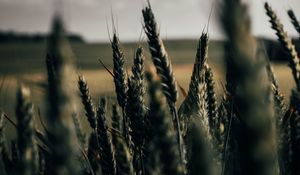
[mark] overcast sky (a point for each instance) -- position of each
(177, 18)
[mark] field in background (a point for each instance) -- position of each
(26, 63)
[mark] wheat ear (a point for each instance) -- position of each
(87, 102)
(120, 80)
(294, 20)
(164, 69)
(107, 159)
(286, 43)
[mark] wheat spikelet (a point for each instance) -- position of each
(279, 104)
(120, 76)
(294, 20)
(120, 80)
(87, 102)
(211, 101)
(283, 129)
(135, 109)
(159, 56)
(286, 43)
(223, 126)
(107, 159)
(25, 128)
(192, 102)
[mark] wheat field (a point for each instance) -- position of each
(152, 108)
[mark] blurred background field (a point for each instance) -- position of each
(25, 63)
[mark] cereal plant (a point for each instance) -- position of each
(251, 130)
